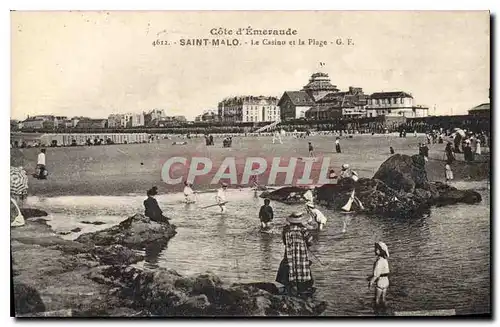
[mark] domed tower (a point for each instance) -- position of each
(319, 85)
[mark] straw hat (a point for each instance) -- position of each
(296, 218)
(345, 166)
(224, 184)
(383, 247)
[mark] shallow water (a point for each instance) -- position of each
(437, 262)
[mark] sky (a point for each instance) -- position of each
(97, 63)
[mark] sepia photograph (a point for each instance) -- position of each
(250, 164)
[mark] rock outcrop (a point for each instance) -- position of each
(33, 213)
(27, 300)
(399, 188)
(287, 194)
(166, 293)
(94, 279)
(402, 172)
(135, 232)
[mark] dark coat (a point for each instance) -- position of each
(152, 209)
(266, 213)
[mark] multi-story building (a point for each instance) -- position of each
(394, 104)
(137, 120)
(171, 121)
(92, 123)
(208, 116)
(39, 122)
(60, 121)
(153, 117)
(295, 104)
(249, 109)
(115, 120)
(320, 99)
(126, 120)
(349, 104)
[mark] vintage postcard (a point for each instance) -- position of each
(250, 163)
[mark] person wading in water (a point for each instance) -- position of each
(295, 268)
(380, 276)
(152, 209)
(220, 198)
(266, 215)
(188, 193)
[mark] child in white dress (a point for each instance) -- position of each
(380, 277)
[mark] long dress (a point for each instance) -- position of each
(296, 260)
(478, 146)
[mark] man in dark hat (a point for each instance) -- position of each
(152, 209)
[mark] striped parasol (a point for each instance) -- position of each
(18, 181)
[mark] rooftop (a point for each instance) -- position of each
(395, 94)
(483, 106)
(299, 98)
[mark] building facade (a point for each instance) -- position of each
(320, 99)
(137, 120)
(295, 104)
(114, 120)
(92, 123)
(153, 117)
(394, 104)
(208, 116)
(249, 109)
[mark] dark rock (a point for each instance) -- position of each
(116, 255)
(268, 287)
(450, 195)
(402, 172)
(27, 300)
(32, 213)
(166, 293)
(76, 230)
(287, 194)
(93, 222)
(410, 195)
(64, 233)
(135, 232)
